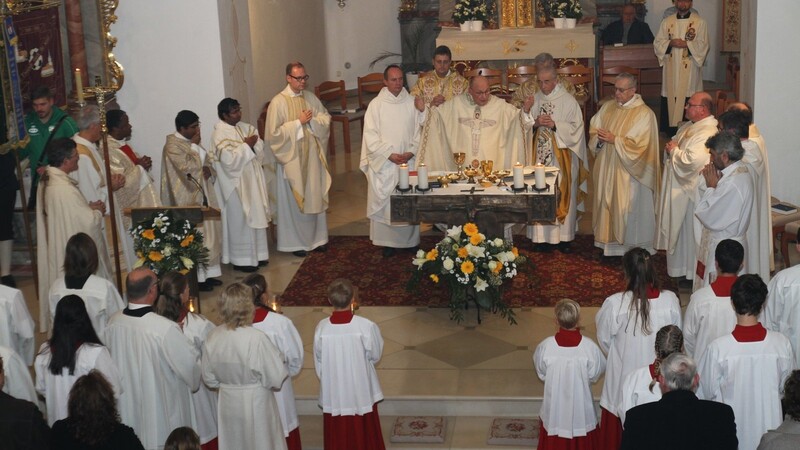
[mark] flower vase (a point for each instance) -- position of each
(570, 22)
(559, 22)
(476, 25)
(465, 26)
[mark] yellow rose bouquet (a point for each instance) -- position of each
(164, 243)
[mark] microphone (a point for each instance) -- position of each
(194, 180)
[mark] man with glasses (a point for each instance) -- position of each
(627, 171)
(686, 155)
(297, 130)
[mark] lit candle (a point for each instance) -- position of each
(403, 184)
(191, 304)
(275, 306)
(79, 85)
(538, 175)
(422, 176)
(519, 178)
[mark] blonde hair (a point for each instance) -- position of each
(568, 312)
(236, 305)
(340, 293)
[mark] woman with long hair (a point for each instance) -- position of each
(281, 331)
(626, 331)
(93, 422)
(173, 303)
(72, 351)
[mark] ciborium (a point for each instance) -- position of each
(459, 158)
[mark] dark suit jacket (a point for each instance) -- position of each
(680, 421)
(638, 34)
(22, 426)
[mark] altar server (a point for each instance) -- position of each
(16, 323)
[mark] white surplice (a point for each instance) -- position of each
(18, 377)
(204, 400)
(567, 409)
(749, 377)
(100, 296)
(759, 253)
(707, 318)
(16, 323)
(636, 390)
(391, 125)
(620, 336)
(782, 310)
(55, 388)
(282, 333)
(160, 368)
(244, 365)
(91, 173)
(344, 358)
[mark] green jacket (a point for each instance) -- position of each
(40, 132)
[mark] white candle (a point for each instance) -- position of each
(79, 85)
(422, 176)
(403, 184)
(538, 175)
(519, 178)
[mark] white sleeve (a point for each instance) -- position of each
(373, 343)
(604, 322)
(182, 357)
(292, 348)
(23, 328)
(209, 378)
(597, 363)
(538, 360)
(105, 365)
(710, 374)
(691, 322)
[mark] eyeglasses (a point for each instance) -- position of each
(303, 78)
(622, 89)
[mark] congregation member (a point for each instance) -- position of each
(710, 314)
(782, 310)
(182, 438)
(725, 204)
(681, 46)
(787, 435)
(391, 138)
(61, 212)
(627, 171)
(238, 155)
(100, 296)
(298, 126)
(282, 333)
(21, 423)
(346, 349)
(747, 368)
(686, 155)
(569, 364)
(628, 29)
(558, 141)
(160, 364)
(72, 351)
(19, 384)
(16, 323)
(641, 386)
(627, 324)
(243, 364)
(183, 156)
(679, 420)
(173, 303)
(442, 83)
(91, 173)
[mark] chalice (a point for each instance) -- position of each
(470, 173)
(486, 167)
(459, 158)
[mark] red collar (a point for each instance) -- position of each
(653, 292)
(752, 333)
(568, 338)
(183, 314)
(723, 284)
(341, 317)
(260, 314)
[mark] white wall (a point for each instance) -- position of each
(171, 54)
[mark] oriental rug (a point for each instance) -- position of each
(419, 429)
(516, 432)
(580, 275)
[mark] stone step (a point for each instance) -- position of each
(443, 406)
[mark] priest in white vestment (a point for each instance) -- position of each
(16, 323)
(681, 46)
(159, 364)
(238, 154)
(391, 138)
(298, 126)
(18, 383)
(91, 172)
(725, 205)
(627, 171)
(183, 155)
(61, 212)
(686, 156)
(782, 310)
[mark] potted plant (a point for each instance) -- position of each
(565, 13)
(470, 14)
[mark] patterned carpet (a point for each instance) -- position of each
(580, 275)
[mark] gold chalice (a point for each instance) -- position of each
(444, 180)
(501, 174)
(459, 158)
(470, 173)
(486, 167)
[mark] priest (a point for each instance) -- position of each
(442, 83)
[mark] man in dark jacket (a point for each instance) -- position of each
(22, 426)
(628, 30)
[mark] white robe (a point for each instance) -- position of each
(782, 310)
(391, 125)
(204, 400)
(91, 173)
(755, 136)
(55, 388)
(749, 377)
(100, 296)
(759, 231)
(243, 191)
(620, 336)
(18, 377)
(282, 333)
(244, 365)
(678, 195)
(567, 409)
(707, 318)
(344, 358)
(16, 323)
(161, 369)
(636, 390)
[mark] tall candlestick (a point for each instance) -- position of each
(403, 184)
(538, 176)
(519, 178)
(422, 176)
(79, 85)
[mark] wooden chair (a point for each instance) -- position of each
(495, 78)
(333, 95)
(608, 76)
(517, 76)
(369, 84)
(582, 78)
(722, 102)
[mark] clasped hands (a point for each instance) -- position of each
(605, 136)
(401, 158)
(711, 174)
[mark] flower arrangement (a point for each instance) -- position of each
(570, 9)
(164, 243)
(466, 10)
(473, 267)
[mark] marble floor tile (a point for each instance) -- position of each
(418, 328)
(465, 348)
